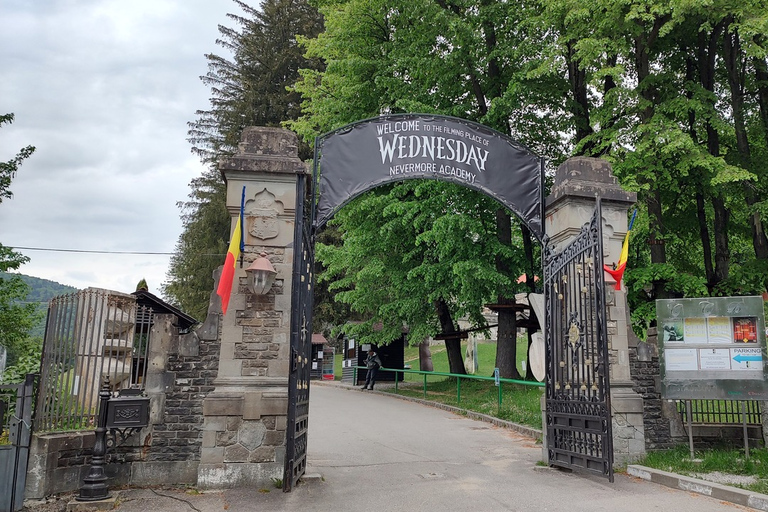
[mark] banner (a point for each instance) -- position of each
(373, 152)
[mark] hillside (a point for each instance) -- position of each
(40, 292)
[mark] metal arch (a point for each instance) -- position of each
(578, 411)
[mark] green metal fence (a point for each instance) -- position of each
(458, 377)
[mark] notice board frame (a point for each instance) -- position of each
(700, 356)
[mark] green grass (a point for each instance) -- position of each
(520, 404)
(724, 460)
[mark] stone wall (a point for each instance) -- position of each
(645, 371)
(180, 373)
(663, 424)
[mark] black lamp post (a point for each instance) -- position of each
(94, 486)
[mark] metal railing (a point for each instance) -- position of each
(90, 335)
(721, 412)
(458, 378)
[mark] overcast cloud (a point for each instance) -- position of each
(103, 89)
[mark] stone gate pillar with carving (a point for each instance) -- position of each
(245, 416)
(578, 182)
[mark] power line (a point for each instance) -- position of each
(85, 251)
(94, 252)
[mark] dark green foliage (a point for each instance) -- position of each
(408, 246)
(16, 318)
(39, 292)
(674, 94)
(248, 89)
(8, 169)
(201, 248)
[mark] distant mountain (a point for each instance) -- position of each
(40, 292)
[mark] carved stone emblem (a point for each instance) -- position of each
(264, 212)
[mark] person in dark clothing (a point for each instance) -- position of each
(373, 363)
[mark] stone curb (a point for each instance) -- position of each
(686, 483)
(521, 429)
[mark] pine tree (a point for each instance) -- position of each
(247, 89)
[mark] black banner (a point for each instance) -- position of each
(373, 152)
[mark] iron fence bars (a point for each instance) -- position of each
(301, 338)
(721, 412)
(90, 335)
(578, 409)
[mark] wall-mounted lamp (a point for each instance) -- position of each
(261, 275)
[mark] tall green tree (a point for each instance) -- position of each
(679, 122)
(249, 88)
(674, 94)
(16, 317)
(467, 59)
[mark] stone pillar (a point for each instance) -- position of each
(578, 182)
(245, 416)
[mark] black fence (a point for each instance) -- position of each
(721, 412)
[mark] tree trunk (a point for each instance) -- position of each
(656, 230)
(692, 73)
(706, 245)
(656, 239)
(722, 251)
(425, 357)
(707, 58)
(734, 61)
(579, 108)
(452, 345)
(506, 342)
(506, 339)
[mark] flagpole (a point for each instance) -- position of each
(242, 228)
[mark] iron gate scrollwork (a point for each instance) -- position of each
(578, 410)
(301, 338)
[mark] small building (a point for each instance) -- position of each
(322, 358)
(392, 356)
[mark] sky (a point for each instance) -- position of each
(104, 90)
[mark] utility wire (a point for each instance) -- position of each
(102, 252)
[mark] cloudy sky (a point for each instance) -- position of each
(104, 90)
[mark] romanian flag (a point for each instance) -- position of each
(618, 272)
(233, 254)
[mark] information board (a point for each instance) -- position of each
(713, 348)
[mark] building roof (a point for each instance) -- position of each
(318, 339)
(160, 307)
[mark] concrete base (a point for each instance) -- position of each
(87, 506)
(229, 475)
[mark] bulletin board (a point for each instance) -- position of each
(712, 348)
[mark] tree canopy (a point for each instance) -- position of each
(249, 88)
(17, 318)
(673, 94)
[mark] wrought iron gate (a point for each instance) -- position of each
(301, 338)
(16, 429)
(578, 406)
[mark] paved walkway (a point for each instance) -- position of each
(371, 451)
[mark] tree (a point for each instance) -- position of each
(248, 89)
(16, 317)
(415, 258)
(679, 122)
(468, 59)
